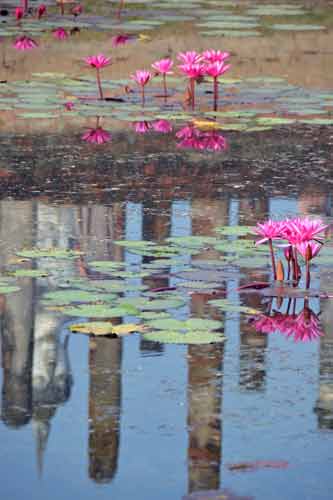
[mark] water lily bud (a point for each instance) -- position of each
(279, 271)
(308, 253)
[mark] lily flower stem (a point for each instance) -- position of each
(297, 276)
(192, 86)
(308, 277)
(165, 85)
(288, 306)
(25, 6)
(273, 258)
(143, 95)
(99, 84)
(62, 8)
(216, 93)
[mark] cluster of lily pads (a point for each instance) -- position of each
(111, 289)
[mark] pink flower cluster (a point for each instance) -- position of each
(302, 327)
(303, 234)
(209, 63)
(303, 237)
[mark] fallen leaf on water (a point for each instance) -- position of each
(144, 38)
(98, 328)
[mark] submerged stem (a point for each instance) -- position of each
(143, 95)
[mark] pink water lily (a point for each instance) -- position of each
(212, 56)
(193, 71)
(60, 33)
(299, 229)
(270, 230)
(97, 136)
(41, 10)
(25, 43)
(98, 62)
(162, 126)
(216, 69)
(69, 106)
(189, 57)
(163, 67)
(142, 77)
(308, 249)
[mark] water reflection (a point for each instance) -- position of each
(104, 407)
(37, 376)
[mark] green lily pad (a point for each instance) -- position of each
(4, 289)
(30, 273)
(225, 305)
(191, 324)
(234, 230)
(100, 311)
(192, 337)
(51, 253)
(107, 264)
(116, 286)
(64, 297)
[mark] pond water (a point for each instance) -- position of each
(203, 388)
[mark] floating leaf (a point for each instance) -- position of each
(192, 337)
(62, 297)
(235, 230)
(191, 324)
(227, 306)
(100, 311)
(51, 253)
(4, 289)
(30, 273)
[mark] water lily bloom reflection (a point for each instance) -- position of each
(142, 77)
(60, 34)
(19, 12)
(212, 56)
(25, 43)
(302, 327)
(162, 126)
(98, 62)
(193, 138)
(77, 10)
(119, 40)
(142, 127)
(97, 136)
